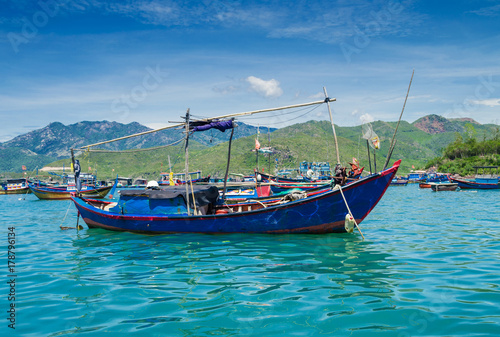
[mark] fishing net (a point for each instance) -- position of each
(370, 135)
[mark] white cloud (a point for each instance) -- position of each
(491, 11)
(319, 95)
(269, 88)
(493, 102)
(366, 118)
(224, 90)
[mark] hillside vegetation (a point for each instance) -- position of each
(311, 141)
(466, 151)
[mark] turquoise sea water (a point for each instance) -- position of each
(429, 266)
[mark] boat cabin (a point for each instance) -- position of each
(486, 174)
(13, 184)
(178, 178)
(416, 176)
(318, 168)
(85, 178)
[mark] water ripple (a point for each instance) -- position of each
(428, 267)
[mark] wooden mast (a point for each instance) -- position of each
(327, 100)
(186, 153)
(393, 143)
(227, 167)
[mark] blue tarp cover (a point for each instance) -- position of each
(170, 200)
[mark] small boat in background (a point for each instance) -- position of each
(399, 181)
(311, 180)
(443, 186)
(61, 193)
(171, 179)
(486, 178)
(90, 187)
(14, 186)
(417, 176)
(139, 183)
(435, 178)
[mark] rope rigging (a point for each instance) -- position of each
(309, 110)
(135, 150)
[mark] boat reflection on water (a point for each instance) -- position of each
(184, 278)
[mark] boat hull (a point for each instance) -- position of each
(50, 193)
(443, 186)
(399, 183)
(322, 213)
(22, 190)
(468, 184)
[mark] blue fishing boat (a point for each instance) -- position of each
(204, 209)
(486, 178)
(167, 211)
(435, 178)
(417, 176)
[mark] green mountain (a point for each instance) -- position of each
(44, 146)
(417, 143)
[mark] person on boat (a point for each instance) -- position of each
(354, 168)
(340, 176)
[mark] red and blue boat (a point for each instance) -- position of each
(192, 208)
(175, 211)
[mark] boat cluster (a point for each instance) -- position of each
(486, 177)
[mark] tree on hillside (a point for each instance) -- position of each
(455, 149)
(466, 151)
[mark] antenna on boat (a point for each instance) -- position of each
(328, 100)
(227, 167)
(393, 142)
(187, 161)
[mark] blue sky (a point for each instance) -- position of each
(150, 60)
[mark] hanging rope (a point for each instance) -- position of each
(283, 114)
(349, 210)
(78, 227)
(135, 150)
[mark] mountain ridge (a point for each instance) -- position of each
(55, 140)
(417, 142)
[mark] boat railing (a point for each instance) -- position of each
(487, 176)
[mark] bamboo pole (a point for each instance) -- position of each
(227, 167)
(369, 156)
(338, 160)
(192, 194)
(186, 152)
(327, 100)
(391, 148)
